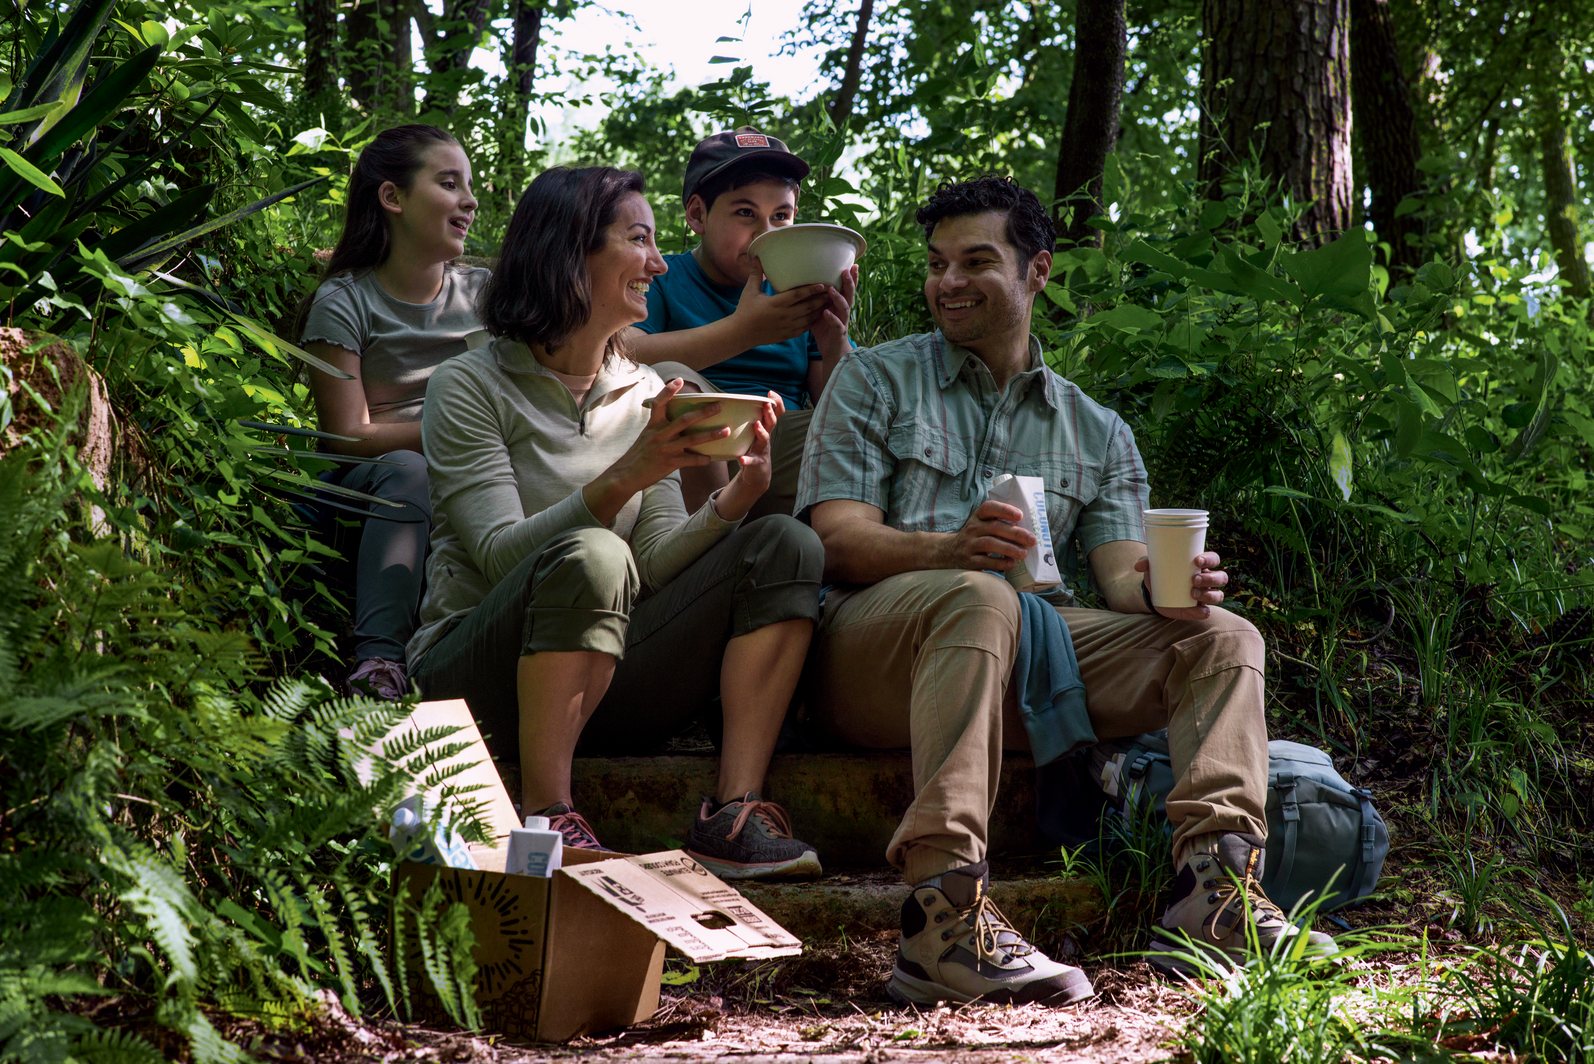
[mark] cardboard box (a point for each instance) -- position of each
(582, 950)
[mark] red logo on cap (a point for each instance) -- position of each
(751, 140)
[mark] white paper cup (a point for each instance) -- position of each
(1173, 540)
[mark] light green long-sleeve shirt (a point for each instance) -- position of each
(508, 452)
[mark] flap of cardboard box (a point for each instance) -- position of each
(687, 906)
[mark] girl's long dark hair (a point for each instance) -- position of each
(540, 292)
(395, 155)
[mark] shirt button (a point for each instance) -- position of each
(1065, 482)
(927, 452)
(989, 474)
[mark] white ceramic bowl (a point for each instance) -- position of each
(737, 413)
(810, 253)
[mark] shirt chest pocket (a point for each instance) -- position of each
(1071, 485)
(929, 475)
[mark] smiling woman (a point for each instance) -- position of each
(559, 502)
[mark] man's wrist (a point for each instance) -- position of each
(1145, 593)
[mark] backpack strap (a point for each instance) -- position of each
(1135, 773)
(1292, 819)
(1367, 881)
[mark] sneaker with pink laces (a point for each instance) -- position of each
(379, 678)
(750, 839)
(577, 833)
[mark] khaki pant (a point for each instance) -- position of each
(786, 448)
(924, 660)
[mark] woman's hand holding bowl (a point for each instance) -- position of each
(737, 498)
(659, 450)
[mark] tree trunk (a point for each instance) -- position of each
(522, 66)
(1560, 197)
(841, 107)
(1275, 80)
(461, 30)
(381, 66)
(1386, 124)
(1090, 129)
(320, 51)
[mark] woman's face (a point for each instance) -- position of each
(622, 268)
(431, 218)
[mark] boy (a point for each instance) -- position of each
(714, 321)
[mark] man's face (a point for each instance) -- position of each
(978, 286)
(735, 220)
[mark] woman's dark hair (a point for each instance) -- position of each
(395, 155)
(540, 292)
(1029, 228)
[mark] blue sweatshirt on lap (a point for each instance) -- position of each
(684, 298)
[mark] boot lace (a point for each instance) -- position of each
(987, 924)
(771, 815)
(1243, 888)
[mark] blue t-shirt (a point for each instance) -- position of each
(684, 298)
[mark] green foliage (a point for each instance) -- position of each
(179, 835)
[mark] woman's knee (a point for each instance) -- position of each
(586, 568)
(783, 548)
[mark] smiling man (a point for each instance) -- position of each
(919, 640)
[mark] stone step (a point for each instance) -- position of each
(846, 805)
(1042, 909)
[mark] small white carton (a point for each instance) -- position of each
(1038, 569)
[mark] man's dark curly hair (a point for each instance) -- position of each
(1029, 228)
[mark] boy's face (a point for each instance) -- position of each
(735, 220)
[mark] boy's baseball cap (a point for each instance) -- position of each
(724, 150)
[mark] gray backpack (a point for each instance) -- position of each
(1318, 826)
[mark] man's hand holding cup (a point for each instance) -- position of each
(1206, 588)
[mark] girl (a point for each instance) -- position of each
(570, 598)
(391, 310)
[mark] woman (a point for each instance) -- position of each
(570, 598)
(391, 310)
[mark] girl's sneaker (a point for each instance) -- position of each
(750, 839)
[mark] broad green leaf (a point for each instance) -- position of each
(27, 114)
(1140, 251)
(108, 96)
(1259, 284)
(1271, 233)
(1129, 316)
(1409, 427)
(1339, 464)
(1342, 268)
(1532, 502)
(1214, 214)
(1288, 493)
(1543, 377)
(30, 173)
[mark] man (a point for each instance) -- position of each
(917, 644)
(714, 321)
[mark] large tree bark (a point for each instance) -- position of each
(320, 50)
(525, 38)
(1275, 80)
(1560, 196)
(381, 65)
(841, 106)
(451, 45)
(1090, 129)
(1386, 125)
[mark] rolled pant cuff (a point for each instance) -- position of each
(554, 629)
(766, 604)
(920, 862)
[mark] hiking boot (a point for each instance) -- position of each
(378, 678)
(573, 827)
(956, 946)
(1214, 895)
(750, 839)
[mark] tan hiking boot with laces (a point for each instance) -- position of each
(1219, 907)
(957, 946)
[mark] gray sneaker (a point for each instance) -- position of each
(750, 839)
(956, 946)
(1219, 909)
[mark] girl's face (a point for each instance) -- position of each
(430, 219)
(621, 270)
